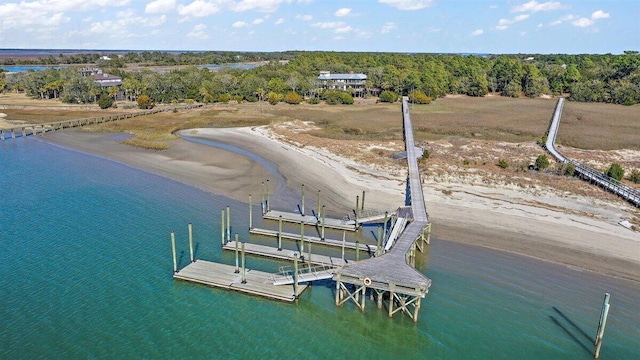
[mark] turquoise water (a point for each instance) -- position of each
(85, 269)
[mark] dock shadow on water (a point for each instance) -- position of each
(575, 332)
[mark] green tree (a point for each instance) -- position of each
(534, 83)
(105, 101)
(615, 171)
(418, 97)
(542, 162)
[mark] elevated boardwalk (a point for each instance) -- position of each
(628, 193)
(35, 129)
(391, 271)
(224, 277)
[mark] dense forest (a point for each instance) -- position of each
(591, 78)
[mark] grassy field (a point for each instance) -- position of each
(495, 118)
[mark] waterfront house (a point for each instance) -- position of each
(356, 82)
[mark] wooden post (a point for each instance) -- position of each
(250, 213)
(309, 260)
(222, 227)
(357, 206)
(384, 229)
(173, 248)
(302, 239)
(380, 293)
(338, 282)
(267, 203)
(237, 270)
(302, 201)
(191, 242)
(228, 224)
(364, 297)
(391, 295)
(263, 206)
(357, 250)
(378, 246)
(362, 205)
(280, 233)
(344, 235)
(295, 276)
(318, 212)
(601, 325)
(417, 310)
(323, 221)
(243, 278)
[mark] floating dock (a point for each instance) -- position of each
(316, 240)
(225, 277)
(298, 218)
(285, 254)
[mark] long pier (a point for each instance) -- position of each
(41, 129)
(584, 172)
(391, 273)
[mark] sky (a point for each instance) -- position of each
(406, 26)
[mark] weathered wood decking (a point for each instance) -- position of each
(315, 240)
(224, 276)
(391, 272)
(286, 254)
(310, 220)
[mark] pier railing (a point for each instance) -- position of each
(584, 172)
(35, 129)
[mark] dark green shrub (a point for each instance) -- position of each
(388, 96)
(224, 98)
(542, 162)
(635, 176)
(503, 163)
(615, 171)
(313, 100)
(105, 101)
(569, 170)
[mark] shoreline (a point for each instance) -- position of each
(500, 219)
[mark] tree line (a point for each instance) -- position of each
(590, 78)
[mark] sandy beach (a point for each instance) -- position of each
(579, 232)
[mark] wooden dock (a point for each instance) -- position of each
(316, 240)
(297, 218)
(224, 277)
(285, 254)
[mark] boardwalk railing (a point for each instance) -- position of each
(584, 172)
(35, 129)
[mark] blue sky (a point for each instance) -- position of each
(464, 26)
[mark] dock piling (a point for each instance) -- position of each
(280, 233)
(302, 201)
(601, 325)
(344, 236)
(267, 203)
(318, 212)
(173, 248)
(191, 242)
(357, 250)
(362, 205)
(237, 270)
(244, 278)
(228, 224)
(263, 206)
(356, 210)
(323, 221)
(295, 277)
(250, 213)
(302, 239)
(222, 227)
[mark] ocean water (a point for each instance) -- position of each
(86, 272)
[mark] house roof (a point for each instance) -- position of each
(107, 79)
(342, 77)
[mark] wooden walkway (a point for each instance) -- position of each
(315, 240)
(224, 277)
(35, 129)
(390, 271)
(297, 218)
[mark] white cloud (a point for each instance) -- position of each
(503, 24)
(199, 8)
(160, 6)
(477, 32)
(342, 12)
(328, 25)
(279, 21)
(198, 32)
(388, 27)
(255, 5)
(343, 29)
(362, 34)
(583, 22)
(599, 15)
(257, 21)
(239, 24)
(407, 4)
(534, 6)
(562, 19)
(304, 17)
